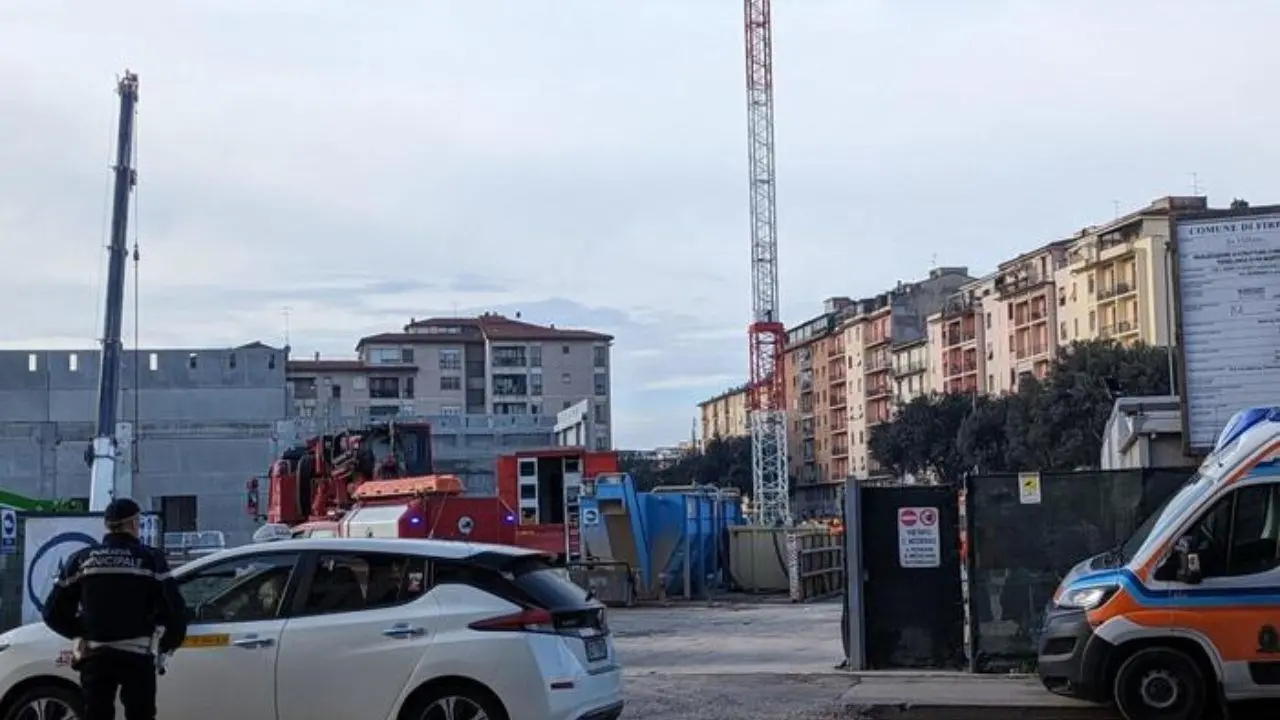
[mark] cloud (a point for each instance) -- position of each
(713, 383)
(321, 157)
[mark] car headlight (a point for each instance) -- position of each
(1086, 598)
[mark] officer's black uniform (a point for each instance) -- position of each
(113, 597)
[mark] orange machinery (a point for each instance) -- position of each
(378, 482)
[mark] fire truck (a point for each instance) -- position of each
(378, 481)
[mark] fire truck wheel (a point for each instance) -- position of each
(453, 699)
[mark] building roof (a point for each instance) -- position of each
(338, 366)
(739, 390)
(490, 326)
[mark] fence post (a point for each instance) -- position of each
(853, 577)
(795, 573)
(967, 566)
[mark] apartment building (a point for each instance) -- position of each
(724, 415)
(817, 405)
(489, 364)
(1116, 281)
(1024, 288)
(967, 338)
(875, 328)
(911, 376)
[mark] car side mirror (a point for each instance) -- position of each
(1188, 567)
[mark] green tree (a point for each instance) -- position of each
(1076, 399)
(723, 462)
(921, 437)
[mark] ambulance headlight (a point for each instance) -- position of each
(1087, 598)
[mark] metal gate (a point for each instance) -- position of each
(913, 612)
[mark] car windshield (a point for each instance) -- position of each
(1191, 492)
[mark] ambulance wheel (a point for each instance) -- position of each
(1160, 683)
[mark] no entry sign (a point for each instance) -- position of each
(919, 542)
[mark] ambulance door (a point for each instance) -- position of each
(1236, 604)
(232, 640)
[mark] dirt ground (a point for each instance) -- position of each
(747, 659)
(741, 660)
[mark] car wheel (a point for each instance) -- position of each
(456, 703)
(47, 702)
(1160, 683)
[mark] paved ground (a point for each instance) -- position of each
(755, 660)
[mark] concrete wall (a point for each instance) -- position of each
(202, 422)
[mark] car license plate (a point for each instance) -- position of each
(597, 648)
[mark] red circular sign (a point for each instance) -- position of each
(928, 517)
(907, 517)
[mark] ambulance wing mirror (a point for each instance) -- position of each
(1188, 562)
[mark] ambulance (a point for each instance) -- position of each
(1183, 616)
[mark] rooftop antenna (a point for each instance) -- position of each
(1115, 206)
(285, 311)
(1196, 190)
(933, 262)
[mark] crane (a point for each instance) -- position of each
(766, 388)
(103, 450)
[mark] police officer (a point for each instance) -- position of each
(109, 600)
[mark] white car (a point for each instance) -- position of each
(359, 629)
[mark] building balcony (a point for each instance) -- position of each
(912, 368)
(1008, 286)
(876, 391)
(953, 338)
(872, 340)
(1125, 327)
(839, 400)
(839, 451)
(835, 350)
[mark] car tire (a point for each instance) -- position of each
(1160, 682)
(53, 695)
(455, 701)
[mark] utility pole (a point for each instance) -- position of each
(103, 451)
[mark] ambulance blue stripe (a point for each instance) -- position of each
(1188, 597)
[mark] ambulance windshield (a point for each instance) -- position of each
(1186, 497)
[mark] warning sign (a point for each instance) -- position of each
(919, 541)
(1029, 488)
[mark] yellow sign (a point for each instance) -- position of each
(1029, 488)
(207, 641)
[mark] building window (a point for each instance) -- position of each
(1093, 321)
(384, 410)
(386, 356)
(602, 443)
(535, 384)
(564, 349)
(1090, 289)
(510, 384)
(602, 413)
(510, 409)
(384, 388)
(600, 356)
(509, 356)
(1062, 329)
(566, 378)
(1075, 327)
(336, 392)
(450, 410)
(406, 355)
(304, 388)
(535, 356)
(450, 382)
(450, 359)
(602, 384)
(535, 409)
(179, 513)
(408, 387)
(988, 321)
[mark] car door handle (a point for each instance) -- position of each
(253, 642)
(403, 630)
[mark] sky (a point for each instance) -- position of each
(583, 162)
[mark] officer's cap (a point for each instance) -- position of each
(121, 509)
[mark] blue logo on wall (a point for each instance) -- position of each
(57, 541)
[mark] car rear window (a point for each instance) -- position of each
(526, 580)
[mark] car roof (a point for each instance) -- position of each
(447, 549)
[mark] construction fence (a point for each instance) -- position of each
(1026, 530)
